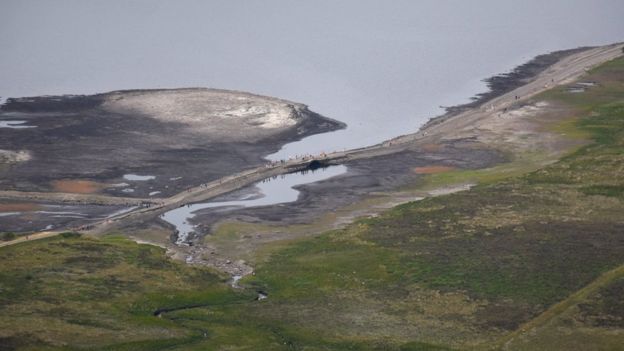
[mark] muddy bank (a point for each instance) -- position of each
(98, 139)
(364, 177)
(388, 172)
(24, 217)
(459, 144)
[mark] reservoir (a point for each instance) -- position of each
(384, 68)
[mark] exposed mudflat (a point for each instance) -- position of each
(180, 137)
(20, 216)
(364, 177)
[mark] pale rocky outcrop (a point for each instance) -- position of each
(211, 112)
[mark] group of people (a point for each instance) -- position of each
(304, 157)
(85, 227)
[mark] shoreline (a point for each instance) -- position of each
(413, 142)
(446, 129)
(503, 83)
(96, 145)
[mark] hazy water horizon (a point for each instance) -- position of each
(382, 68)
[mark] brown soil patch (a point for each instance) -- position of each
(76, 186)
(432, 169)
(431, 147)
(21, 207)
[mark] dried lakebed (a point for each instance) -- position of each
(92, 150)
(20, 217)
(192, 135)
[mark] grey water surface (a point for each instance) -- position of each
(275, 190)
(383, 67)
(15, 124)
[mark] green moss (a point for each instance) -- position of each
(68, 235)
(325, 265)
(7, 236)
(604, 190)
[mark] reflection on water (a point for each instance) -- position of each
(15, 124)
(275, 190)
(138, 178)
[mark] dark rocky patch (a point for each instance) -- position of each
(76, 139)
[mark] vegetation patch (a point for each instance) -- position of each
(432, 169)
(7, 236)
(606, 309)
(72, 290)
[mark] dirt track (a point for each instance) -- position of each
(30, 237)
(73, 198)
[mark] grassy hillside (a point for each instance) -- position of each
(81, 292)
(530, 262)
